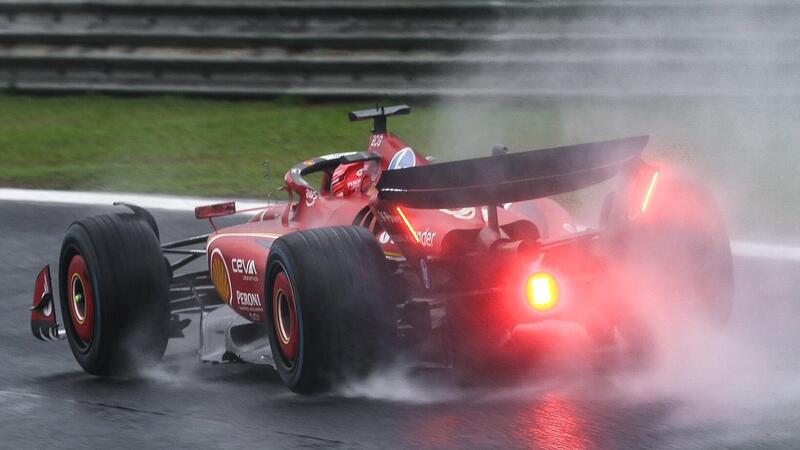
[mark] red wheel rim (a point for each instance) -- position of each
(284, 317)
(80, 299)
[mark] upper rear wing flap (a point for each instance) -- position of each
(510, 177)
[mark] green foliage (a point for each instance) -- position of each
(746, 150)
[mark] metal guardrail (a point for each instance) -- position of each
(409, 48)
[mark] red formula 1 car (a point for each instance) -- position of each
(392, 254)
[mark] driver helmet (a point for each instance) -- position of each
(348, 179)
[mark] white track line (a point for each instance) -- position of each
(765, 251)
(174, 203)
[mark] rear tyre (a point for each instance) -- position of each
(114, 291)
(684, 247)
(680, 247)
(331, 316)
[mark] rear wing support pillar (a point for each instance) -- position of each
(491, 233)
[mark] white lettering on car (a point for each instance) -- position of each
(386, 217)
(244, 266)
(311, 197)
(248, 299)
(426, 237)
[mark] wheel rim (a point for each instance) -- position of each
(284, 318)
(81, 300)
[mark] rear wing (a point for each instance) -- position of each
(509, 177)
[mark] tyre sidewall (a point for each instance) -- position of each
(77, 241)
(280, 259)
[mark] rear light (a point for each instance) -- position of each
(649, 194)
(542, 291)
(642, 194)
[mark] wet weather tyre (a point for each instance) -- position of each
(678, 254)
(684, 248)
(331, 316)
(114, 289)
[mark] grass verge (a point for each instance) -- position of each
(747, 150)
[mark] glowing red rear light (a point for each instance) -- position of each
(542, 292)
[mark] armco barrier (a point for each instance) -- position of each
(402, 48)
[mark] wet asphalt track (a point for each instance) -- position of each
(46, 401)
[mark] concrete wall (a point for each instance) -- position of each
(402, 48)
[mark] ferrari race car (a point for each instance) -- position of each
(390, 254)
